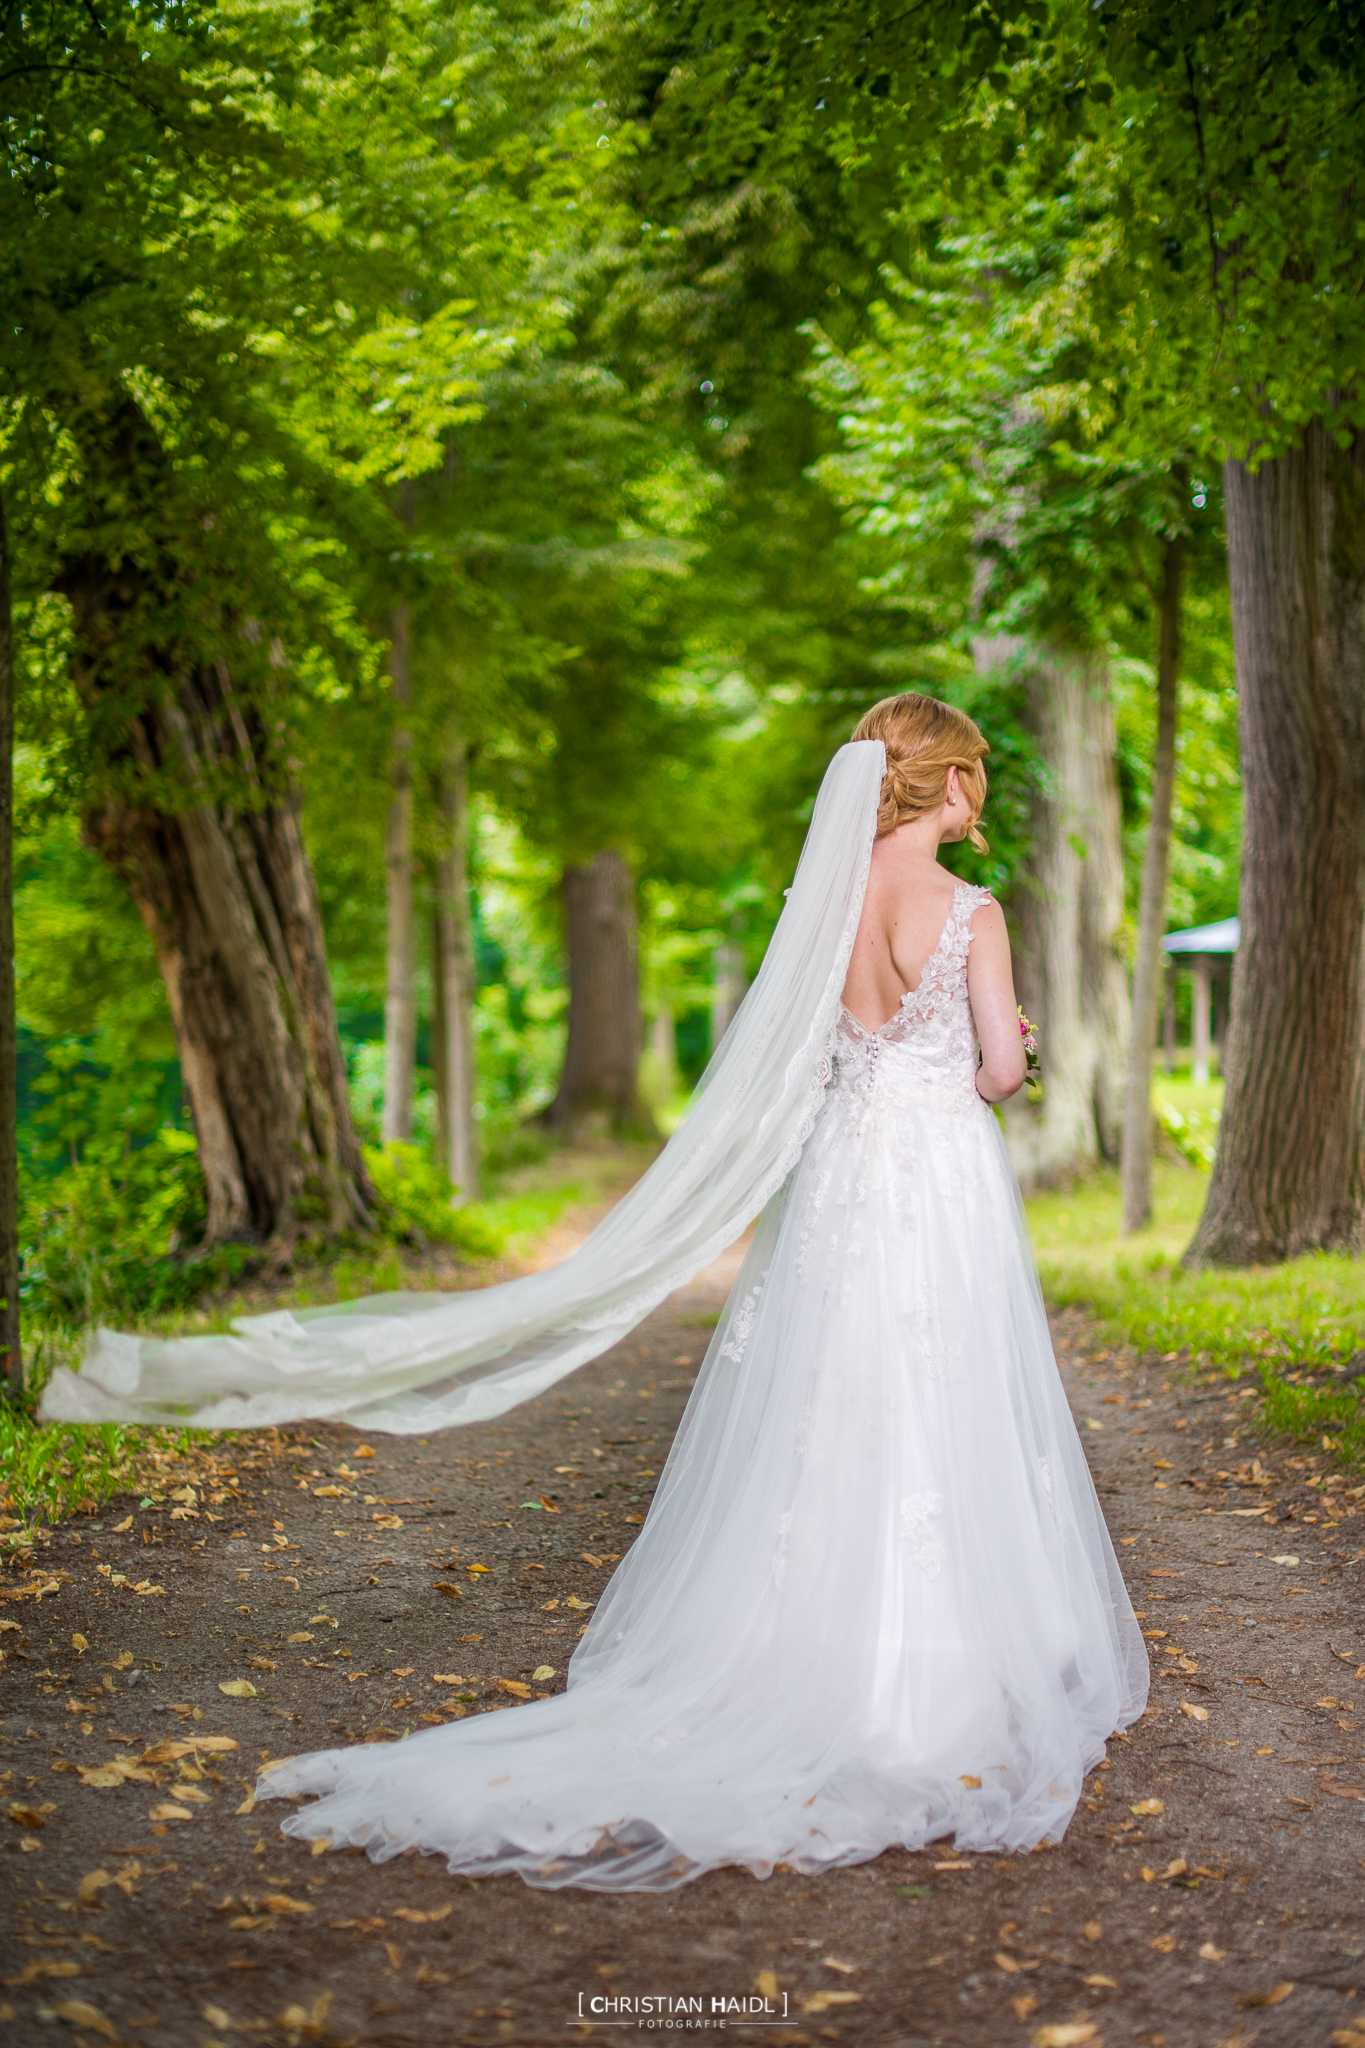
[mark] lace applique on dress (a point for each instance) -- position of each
(742, 1325)
(932, 1029)
(927, 1549)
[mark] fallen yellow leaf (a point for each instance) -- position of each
(168, 1812)
(77, 2013)
(514, 1686)
(542, 1674)
(1145, 1806)
(1275, 1997)
(300, 1635)
(125, 1524)
(100, 1776)
(216, 2017)
(1195, 1713)
(1093, 1929)
(1107, 1983)
(237, 1688)
(263, 1663)
(34, 1972)
(1164, 1942)
(823, 2000)
(28, 1817)
(419, 1918)
(833, 1963)
(1070, 2034)
(1003, 1961)
(170, 1752)
(79, 1644)
(280, 1902)
(765, 1984)
(1209, 1954)
(1022, 2004)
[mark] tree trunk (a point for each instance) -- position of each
(730, 987)
(400, 995)
(1147, 969)
(453, 980)
(12, 1368)
(227, 894)
(1068, 914)
(602, 1056)
(1289, 1175)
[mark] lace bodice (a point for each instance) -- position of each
(931, 1043)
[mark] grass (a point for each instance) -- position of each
(50, 1472)
(1298, 1326)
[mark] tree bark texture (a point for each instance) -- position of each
(1289, 1176)
(227, 893)
(453, 981)
(602, 1055)
(1067, 915)
(400, 993)
(12, 1365)
(1147, 968)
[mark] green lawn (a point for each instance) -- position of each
(1297, 1325)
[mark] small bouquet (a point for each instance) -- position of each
(1033, 1070)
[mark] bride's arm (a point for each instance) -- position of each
(995, 1009)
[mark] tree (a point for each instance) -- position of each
(1147, 972)
(1289, 1175)
(9, 1138)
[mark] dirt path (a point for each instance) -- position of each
(1230, 1913)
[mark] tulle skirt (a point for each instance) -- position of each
(874, 1601)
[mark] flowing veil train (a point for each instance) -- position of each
(413, 1363)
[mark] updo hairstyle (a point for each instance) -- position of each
(923, 740)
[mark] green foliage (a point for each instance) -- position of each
(50, 1473)
(1333, 1414)
(1187, 1133)
(417, 1201)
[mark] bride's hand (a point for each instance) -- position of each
(995, 1009)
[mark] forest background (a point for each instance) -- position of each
(464, 469)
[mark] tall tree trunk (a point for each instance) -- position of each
(12, 1369)
(227, 894)
(400, 994)
(1068, 915)
(1289, 1175)
(730, 985)
(602, 1056)
(453, 979)
(1147, 969)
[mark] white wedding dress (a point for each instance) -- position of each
(874, 1600)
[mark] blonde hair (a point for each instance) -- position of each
(924, 739)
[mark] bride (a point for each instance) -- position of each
(874, 1601)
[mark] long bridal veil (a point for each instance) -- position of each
(414, 1363)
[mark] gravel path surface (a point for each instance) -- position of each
(1211, 1889)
